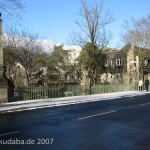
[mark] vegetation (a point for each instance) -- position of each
(59, 65)
(94, 37)
(23, 48)
(11, 12)
(137, 33)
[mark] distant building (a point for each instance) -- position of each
(71, 76)
(72, 55)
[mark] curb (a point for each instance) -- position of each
(55, 102)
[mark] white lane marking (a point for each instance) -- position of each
(144, 104)
(112, 111)
(97, 115)
(9, 133)
(141, 105)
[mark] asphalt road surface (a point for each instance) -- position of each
(119, 124)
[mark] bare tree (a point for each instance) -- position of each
(137, 33)
(11, 11)
(93, 25)
(27, 51)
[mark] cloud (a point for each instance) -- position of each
(72, 47)
(47, 44)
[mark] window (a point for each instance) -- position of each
(146, 61)
(106, 63)
(111, 63)
(118, 62)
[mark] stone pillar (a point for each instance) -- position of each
(1, 51)
(3, 82)
(85, 84)
(137, 67)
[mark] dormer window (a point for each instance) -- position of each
(118, 62)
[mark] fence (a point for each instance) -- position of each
(110, 88)
(31, 93)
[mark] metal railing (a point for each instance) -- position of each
(110, 88)
(31, 93)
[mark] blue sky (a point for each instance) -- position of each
(55, 19)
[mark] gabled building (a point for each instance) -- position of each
(126, 65)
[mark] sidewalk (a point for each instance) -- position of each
(53, 102)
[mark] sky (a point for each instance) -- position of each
(55, 19)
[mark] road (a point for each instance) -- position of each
(119, 124)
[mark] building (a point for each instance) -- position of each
(72, 55)
(126, 65)
(71, 75)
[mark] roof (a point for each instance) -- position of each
(128, 47)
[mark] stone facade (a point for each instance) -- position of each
(85, 83)
(126, 66)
